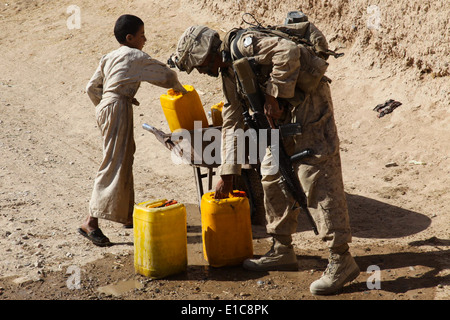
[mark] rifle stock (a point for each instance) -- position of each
(258, 120)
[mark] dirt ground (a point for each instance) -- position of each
(396, 168)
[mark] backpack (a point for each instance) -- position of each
(312, 44)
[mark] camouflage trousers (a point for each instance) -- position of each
(320, 175)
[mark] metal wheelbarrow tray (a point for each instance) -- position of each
(186, 152)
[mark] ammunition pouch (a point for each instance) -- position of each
(244, 69)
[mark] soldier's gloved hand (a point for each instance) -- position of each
(272, 108)
(224, 187)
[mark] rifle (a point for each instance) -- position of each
(247, 80)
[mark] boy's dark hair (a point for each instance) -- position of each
(126, 24)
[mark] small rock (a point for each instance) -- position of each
(417, 162)
(391, 164)
(38, 264)
(23, 281)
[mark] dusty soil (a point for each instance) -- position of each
(396, 168)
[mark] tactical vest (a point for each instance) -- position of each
(311, 42)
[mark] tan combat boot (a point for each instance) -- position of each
(281, 257)
(341, 269)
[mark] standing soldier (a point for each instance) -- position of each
(278, 61)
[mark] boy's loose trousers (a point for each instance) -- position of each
(113, 192)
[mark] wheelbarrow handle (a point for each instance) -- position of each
(162, 137)
(149, 128)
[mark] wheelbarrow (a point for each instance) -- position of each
(183, 147)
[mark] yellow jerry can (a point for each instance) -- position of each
(216, 114)
(160, 238)
(226, 229)
(181, 110)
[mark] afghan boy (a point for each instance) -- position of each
(112, 89)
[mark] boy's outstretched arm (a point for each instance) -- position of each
(159, 74)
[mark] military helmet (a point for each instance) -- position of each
(194, 46)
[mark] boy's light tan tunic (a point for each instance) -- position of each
(112, 89)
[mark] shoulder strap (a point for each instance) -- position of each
(235, 53)
(268, 31)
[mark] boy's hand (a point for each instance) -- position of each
(135, 102)
(179, 88)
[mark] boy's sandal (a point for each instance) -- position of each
(97, 237)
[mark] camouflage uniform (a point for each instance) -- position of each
(319, 175)
(281, 72)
